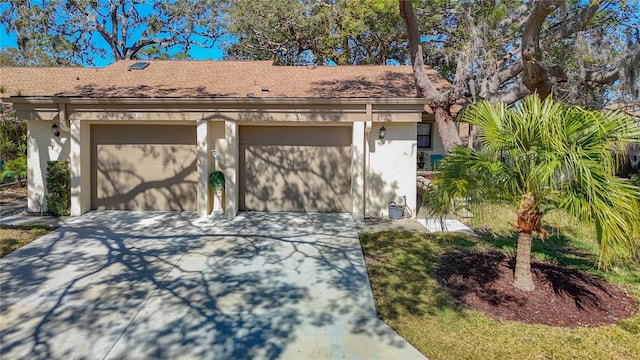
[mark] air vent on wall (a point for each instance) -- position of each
(138, 65)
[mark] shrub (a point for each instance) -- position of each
(216, 180)
(58, 188)
(16, 169)
(13, 137)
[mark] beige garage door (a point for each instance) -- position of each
(285, 168)
(143, 167)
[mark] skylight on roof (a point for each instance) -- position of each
(138, 65)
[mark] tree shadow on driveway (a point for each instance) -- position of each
(168, 285)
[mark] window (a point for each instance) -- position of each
(424, 135)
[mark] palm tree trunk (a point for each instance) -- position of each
(522, 278)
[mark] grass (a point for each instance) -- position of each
(410, 300)
(13, 238)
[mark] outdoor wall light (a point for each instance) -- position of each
(382, 133)
(55, 131)
(215, 155)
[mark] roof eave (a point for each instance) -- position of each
(213, 100)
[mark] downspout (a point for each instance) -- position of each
(367, 158)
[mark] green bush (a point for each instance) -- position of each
(58, 188)
(16, 169)
(216, 180)
(13, 137)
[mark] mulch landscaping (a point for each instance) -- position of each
(563, 296)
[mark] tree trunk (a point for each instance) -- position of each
(522, 278)
(440, 102)
(535, 77)
(529, 220)
(446, 126)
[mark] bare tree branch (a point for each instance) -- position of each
(510, 95)
(535, 76)
(424, 85)
(565, 29)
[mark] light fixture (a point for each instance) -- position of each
(215, 155)
(382, 133)
(55, 131)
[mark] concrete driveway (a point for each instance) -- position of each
(142, 285)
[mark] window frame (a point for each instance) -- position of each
(428, 125)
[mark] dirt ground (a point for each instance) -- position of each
(13, 200)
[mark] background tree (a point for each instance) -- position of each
(584, 52)
(543, 155)
(371, 32)
(440, 101)
(281, 31)
(32, 55)
(156, 52)
(74, 30)
(294, 32)
(589, 50)
(13, 144)
(37, 46)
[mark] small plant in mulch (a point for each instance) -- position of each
(562, 297)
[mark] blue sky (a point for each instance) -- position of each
(8, 39)
(196, 52)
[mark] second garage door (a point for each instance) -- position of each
(143, 167)
(303, 169)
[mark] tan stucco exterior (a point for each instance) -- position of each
(381, 170)
(42, 147)
(391, 168)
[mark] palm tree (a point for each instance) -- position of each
(543, 155)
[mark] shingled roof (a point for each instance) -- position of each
(207, 79)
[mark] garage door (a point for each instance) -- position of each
(143, 167)
(285, 168)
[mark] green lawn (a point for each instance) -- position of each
(410, 300)
(11, 239)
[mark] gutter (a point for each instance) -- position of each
(212, 100)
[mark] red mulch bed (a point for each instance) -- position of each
(563, 296)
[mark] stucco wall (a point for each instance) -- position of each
(42, 146)
(215, 141)
(392, 167)
(388, 167)
(80, 166)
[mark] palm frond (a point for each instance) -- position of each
(563, 156)
(470, 175)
